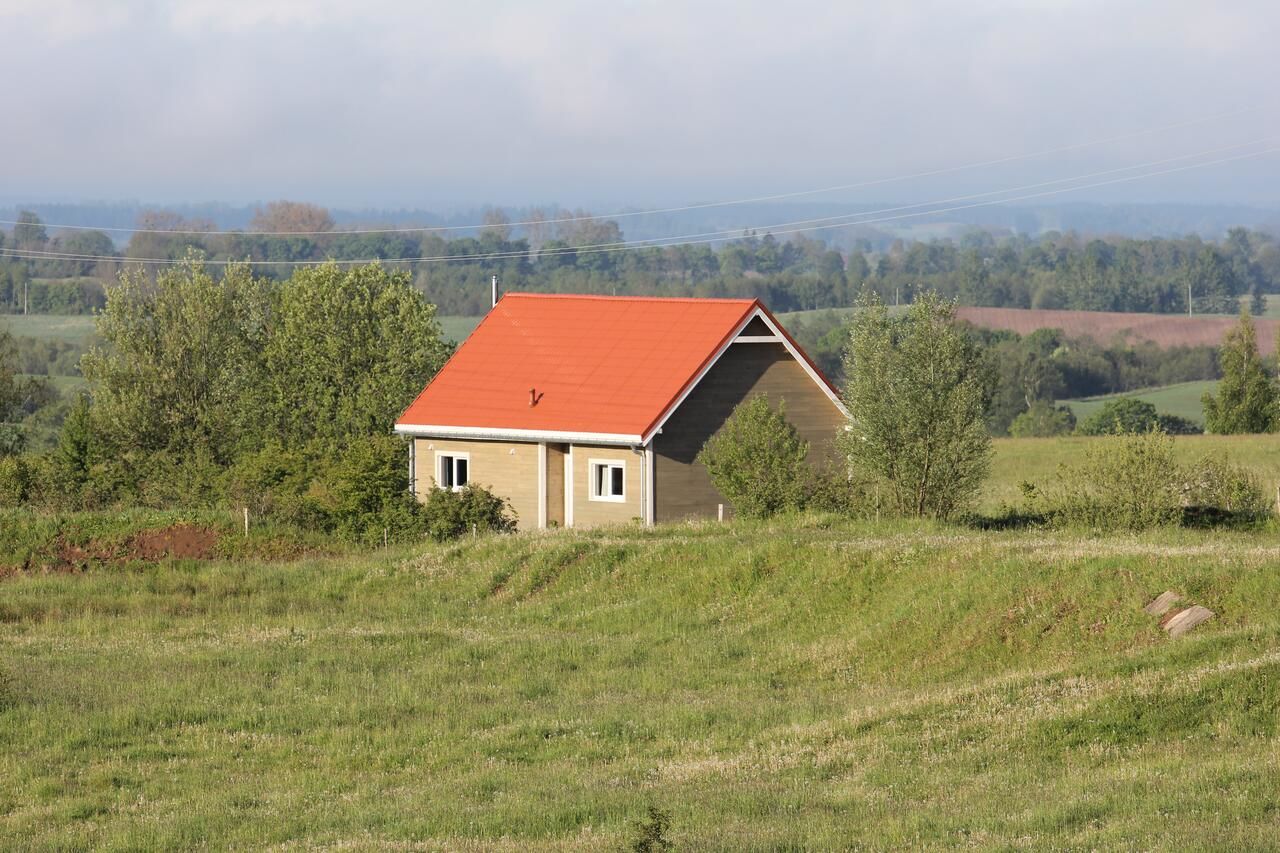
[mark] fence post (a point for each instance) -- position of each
(719, 512)
(246, 522)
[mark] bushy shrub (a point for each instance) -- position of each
(1043, 420)
(1175, 425)
(1220, 490)
(1127, 482)
(15, 481)
(450, 514)
(757, 460)
(828, 488)
(368, 491)
(1134, 482)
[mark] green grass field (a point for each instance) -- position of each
(1182, 399)
(76, 327)
(456, 328)
(806, 683)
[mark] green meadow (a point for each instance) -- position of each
(805, 683)
(76, 328)
(1182, 399)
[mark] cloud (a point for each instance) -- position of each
(429, 103)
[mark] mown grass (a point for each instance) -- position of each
(802, 683)
(1182, 399)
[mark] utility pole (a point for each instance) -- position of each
(26, 296)
(1188, 297)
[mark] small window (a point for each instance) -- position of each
(608, 481)
(452, 470)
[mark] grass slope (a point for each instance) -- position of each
(797, 684)
(1181, 399)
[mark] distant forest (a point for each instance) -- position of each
(65, 272)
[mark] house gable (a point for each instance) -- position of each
(683, 488)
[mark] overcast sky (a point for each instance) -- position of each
(619, 103)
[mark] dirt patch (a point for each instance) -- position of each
(178, 541)
(181, 541)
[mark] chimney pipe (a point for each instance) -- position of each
(495, 291)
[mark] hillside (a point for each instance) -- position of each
(1183, 399)
(806, 683)
(1167, 330)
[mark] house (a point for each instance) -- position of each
(587, 410)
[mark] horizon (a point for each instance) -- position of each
(639, 105)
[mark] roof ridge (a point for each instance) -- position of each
(742, 300)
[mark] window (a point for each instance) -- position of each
(608, 480)
(452, 470)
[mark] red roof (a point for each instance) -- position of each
(598, 364)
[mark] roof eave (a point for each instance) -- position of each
(523, 435)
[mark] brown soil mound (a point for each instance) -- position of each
(180, 541)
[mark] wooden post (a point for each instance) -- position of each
(384, 537)
(719, 512)
(246, 522)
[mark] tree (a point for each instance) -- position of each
(347, 350)
(1246, 401)
(292, 217)
(1041, 420)
(178, 368)
(12, 436)
(29, 233)
(757, 460)
(917, 392)
(1126, 415)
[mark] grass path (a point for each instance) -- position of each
(802, 683)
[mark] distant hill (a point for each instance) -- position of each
(1104, 326)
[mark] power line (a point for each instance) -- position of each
(679, 209)
(710, 237)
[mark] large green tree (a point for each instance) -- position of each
(178, 367)
(1246, 401)
(917, 395)
(347, 350)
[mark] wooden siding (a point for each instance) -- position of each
(682, 487)
(508, 469)
(590, 513)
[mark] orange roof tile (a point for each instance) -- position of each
(598, 364)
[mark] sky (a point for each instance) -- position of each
(629, 103)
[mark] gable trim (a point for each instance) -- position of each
(780, 336)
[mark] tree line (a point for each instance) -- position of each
(1054, 270)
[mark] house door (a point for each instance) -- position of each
(557, 456)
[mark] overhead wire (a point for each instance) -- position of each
(665, 210)
(795, 227)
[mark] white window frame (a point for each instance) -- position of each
(441, 455)
(592, 464)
